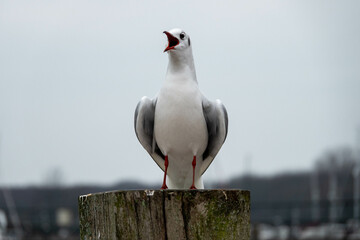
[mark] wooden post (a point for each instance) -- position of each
(165, 214)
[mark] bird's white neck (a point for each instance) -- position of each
(181, 64)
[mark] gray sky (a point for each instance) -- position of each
(72, 72)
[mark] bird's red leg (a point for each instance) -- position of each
(166, 166)
(194, 165)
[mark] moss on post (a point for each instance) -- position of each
(165, 214)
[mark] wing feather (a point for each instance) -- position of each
(144, 129)
(217, 125)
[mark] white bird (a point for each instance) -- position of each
(180, 129)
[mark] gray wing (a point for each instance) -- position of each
(217, 125)
(144, 129)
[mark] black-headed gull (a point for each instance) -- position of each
(180, 129)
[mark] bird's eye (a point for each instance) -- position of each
(182, 35)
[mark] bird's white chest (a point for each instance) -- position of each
(180, 127)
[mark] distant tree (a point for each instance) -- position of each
(340, 162)
(54, 177)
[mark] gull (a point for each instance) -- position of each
(180, 129)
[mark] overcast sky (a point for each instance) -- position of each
(72, 72)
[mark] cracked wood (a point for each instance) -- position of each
(165, 214)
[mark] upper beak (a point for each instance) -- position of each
(172, 41)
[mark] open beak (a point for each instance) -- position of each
(172, 41)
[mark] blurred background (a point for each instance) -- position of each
(288, 72)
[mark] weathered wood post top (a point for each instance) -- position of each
(165, 214)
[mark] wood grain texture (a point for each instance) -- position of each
(165, 214)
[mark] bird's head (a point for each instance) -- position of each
(180, 53)
(178, 41)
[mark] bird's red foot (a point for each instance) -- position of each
(193, 181)
(166, 166)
